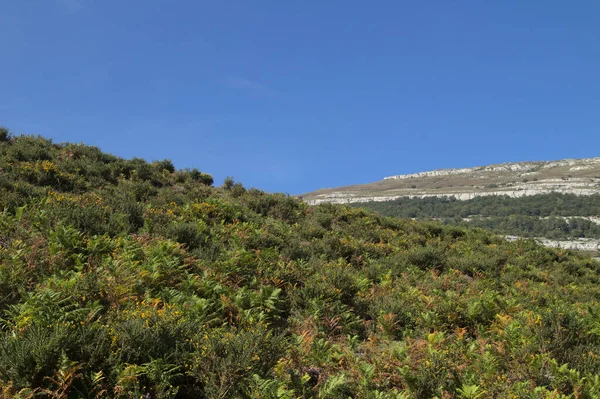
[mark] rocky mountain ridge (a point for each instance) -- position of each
(517, 179)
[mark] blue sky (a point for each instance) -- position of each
(293, 96)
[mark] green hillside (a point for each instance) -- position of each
(558, 216)
(131, 279)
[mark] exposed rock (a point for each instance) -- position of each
(579, 244)
(568, 176)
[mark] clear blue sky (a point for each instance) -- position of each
(292, 96)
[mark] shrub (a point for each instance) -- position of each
(4, 134)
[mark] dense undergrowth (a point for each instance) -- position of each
(134, 280)
(554, 215)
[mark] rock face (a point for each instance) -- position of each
(568, 176)
(519, 167)
(578, 244)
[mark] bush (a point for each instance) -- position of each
(4, 134)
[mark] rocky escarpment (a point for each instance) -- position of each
(569, 176)
(520, 168)
(579, 244)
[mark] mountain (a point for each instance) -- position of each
(568, 176)
(123, 278)
(555, 202)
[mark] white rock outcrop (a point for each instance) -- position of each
(579, 244)
(511, 179)
(522, 167)
(342, 198)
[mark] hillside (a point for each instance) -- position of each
(132, 279)
(554, 216)
(568, 176)
(556, 202)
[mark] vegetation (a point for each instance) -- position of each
(558, 216)
(122, 278)
(531, 226)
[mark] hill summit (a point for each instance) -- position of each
(517, 179)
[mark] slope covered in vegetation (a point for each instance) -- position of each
(545, 215)
(122, 278)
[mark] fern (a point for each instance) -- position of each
(336, 387)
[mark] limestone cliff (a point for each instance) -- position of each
(569, 176)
